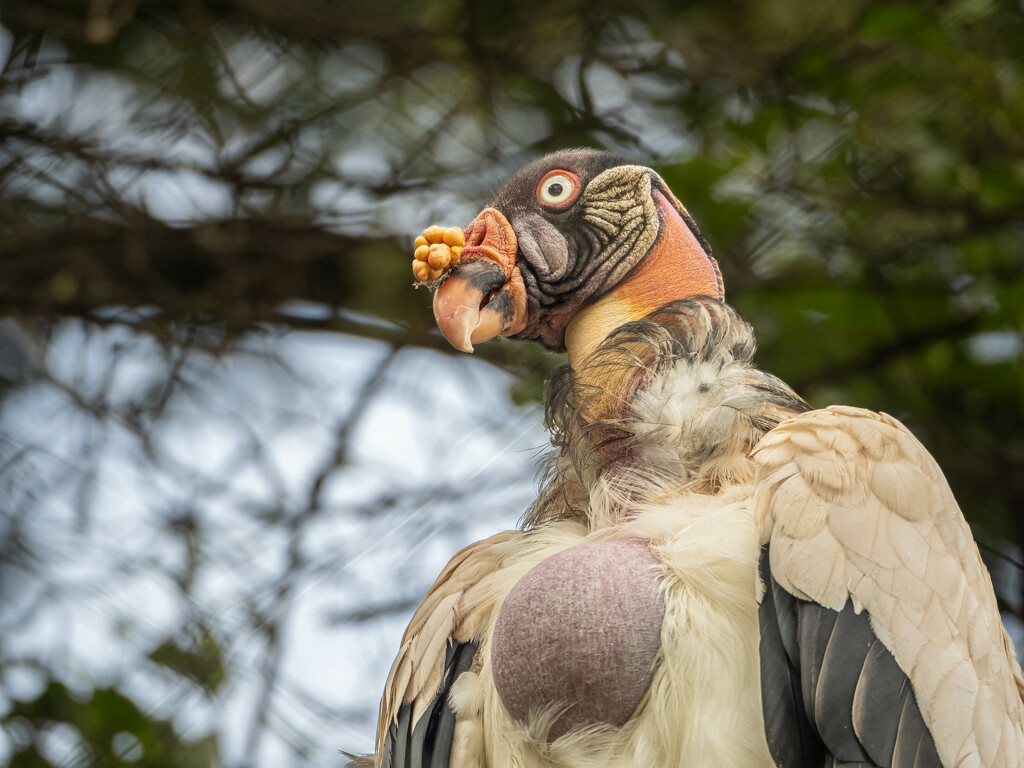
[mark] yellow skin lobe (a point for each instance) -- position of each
(437, 250)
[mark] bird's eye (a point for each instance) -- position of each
(558, 188)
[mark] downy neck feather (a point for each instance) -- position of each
(668, 404)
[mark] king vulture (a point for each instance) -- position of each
(713, 573)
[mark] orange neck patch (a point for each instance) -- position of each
(676, 267)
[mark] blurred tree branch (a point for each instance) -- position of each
(187, 189)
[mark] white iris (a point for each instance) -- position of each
(557, 189)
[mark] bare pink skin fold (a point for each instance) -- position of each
(602, 601)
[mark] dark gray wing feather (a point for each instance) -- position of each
(792, 740)
(427, 743)
(847, 648)
(880, 678)
(833, 695)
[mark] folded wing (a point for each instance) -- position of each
(864, 543)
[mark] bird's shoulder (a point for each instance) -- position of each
(856, 481)
(853, 509)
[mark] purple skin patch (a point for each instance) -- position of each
(581, 630)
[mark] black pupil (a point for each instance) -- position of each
(554, 190)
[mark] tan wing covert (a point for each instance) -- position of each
(855, 508)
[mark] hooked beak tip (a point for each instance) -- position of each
(465, 344)
(457, 318)
(461, 305)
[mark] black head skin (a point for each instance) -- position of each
(570, 255)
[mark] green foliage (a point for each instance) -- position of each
(201, 663)
(103, 728)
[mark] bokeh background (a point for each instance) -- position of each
(234, 452)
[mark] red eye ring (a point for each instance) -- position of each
(557, 201)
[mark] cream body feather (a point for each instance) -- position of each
(703, 707)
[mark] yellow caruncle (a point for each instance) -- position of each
(437, 250)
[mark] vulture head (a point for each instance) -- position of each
(569, 248)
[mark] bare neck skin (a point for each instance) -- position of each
(675, 268)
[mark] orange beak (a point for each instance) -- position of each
(485, 295)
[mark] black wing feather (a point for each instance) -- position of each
(427, 743)
(845, 653)
(400, 742)
(791, 738)
(814, 632)
(833, 695)
(444, 728)
(881, 679)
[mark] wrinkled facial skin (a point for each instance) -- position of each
(571, 255)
